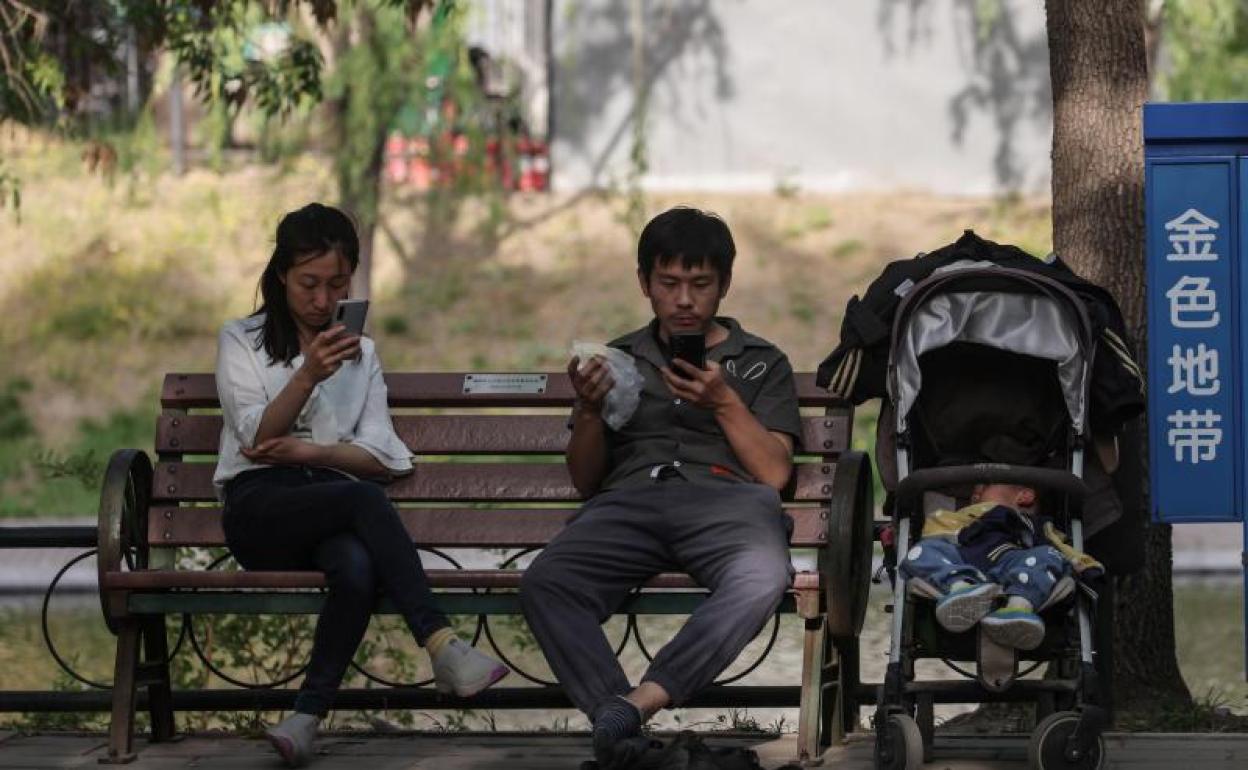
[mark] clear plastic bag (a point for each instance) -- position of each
(625, 393)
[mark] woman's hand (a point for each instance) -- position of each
(325, 354)
(285, 450)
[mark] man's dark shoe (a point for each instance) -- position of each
(616, 720)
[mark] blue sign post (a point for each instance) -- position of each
(1196, 158)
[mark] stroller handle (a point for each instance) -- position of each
(912, 487)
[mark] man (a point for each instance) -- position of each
(691, 483)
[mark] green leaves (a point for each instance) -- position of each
(14, 424)
(236, 52)
(52, 53)
(47, 78)
(10, 190)
(1206, 42)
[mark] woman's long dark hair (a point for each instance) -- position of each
(308, 232)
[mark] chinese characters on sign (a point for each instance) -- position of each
(1193, 433)
(1192, 237)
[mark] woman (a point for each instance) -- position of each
(304, 406)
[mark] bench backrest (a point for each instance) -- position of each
(489, 467)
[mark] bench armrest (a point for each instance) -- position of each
(845, 560)
(124, 501)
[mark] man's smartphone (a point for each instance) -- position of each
(691, 347)
(351, 314)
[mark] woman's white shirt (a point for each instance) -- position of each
(348, 406)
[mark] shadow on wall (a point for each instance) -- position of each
(602, 66)
(1007, 70)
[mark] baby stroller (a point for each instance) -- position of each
(988, 382)
(994, 367)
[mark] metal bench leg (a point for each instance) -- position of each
(810, 715)
(840, 697)
(156, 665)
(829, 704)
(121, 728)
(851, 659)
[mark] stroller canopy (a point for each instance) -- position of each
(1009, 310)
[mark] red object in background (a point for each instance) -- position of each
(534, 166)
(395, 163)
(419, 170)
(408, 161)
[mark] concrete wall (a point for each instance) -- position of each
(830, 95)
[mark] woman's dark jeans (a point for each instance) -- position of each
(298, 518)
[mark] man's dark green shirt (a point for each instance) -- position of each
(668, 433)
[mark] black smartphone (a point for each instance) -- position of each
(691, 347)
(351, 314)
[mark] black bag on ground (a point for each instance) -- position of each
(687, 751)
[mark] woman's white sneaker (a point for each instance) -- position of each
(294, 738)
(464, 670)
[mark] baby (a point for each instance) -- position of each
(968, 559)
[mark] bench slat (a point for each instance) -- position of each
(469, 434)
(461, 482)
(443, 389)
(309, 603)
(446, 527)
(438, 578)
(261, 592)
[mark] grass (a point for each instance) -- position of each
(846, 249)
(1209, 628)
(36, 480)
(1212, 711)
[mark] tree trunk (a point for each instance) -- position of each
(362, 281)
(361, 196)
(1099, 78)
(360, 145)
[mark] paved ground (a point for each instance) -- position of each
(528, 751)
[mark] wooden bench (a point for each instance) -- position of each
(461, 496)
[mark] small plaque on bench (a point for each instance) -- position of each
(478, 384)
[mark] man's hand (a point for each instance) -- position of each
(701, 387)
(592, 384)
(587, 449)
(285, 450)
(327, 351)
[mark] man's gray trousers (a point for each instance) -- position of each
(730, 537)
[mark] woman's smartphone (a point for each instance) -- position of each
(351, 314)
(691, 347)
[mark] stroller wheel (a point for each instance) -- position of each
(1047, 748)
(899, 744)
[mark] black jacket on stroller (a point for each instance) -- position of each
(855, 370)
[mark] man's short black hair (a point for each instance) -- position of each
(693, 236)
